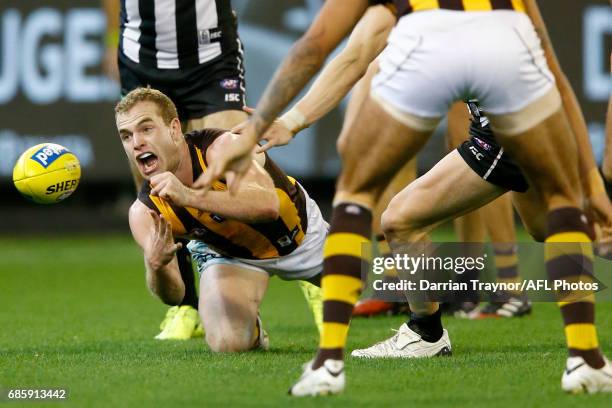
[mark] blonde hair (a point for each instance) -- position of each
(166, 107)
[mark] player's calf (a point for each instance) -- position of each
(569, 258)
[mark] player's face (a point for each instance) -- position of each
(149, 143)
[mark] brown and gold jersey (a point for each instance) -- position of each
(230, 237)
(402, 7)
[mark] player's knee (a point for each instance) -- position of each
(228, 341)
(398, 218)
(406, 215)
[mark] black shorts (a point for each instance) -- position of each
(487, 159)
(198, 91)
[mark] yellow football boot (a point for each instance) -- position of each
(182, 325)
(168, 318)
(314, 298)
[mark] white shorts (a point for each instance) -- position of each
(436, 57)
(305, 262)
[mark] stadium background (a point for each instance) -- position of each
(74, 309)
(52, 89)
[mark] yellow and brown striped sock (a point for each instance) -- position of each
(569, 258)
(343, 263)
(506, 264)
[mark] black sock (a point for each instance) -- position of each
(428, 327)
(184, 262)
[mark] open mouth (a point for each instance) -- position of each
(148, 161)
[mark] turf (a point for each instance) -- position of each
(75, 314)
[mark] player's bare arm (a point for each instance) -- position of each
(367, 40)
(338, 77)
(153, 234)
(255, 200)
(335, 20)
(333, 23)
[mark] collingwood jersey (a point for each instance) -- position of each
(402, 7)
(172, 34)
(230, 237)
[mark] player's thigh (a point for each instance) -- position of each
(450, 189)
(376, 147)
(470, 227)
(457, 125)
(230, 296)
(548, 156)
(226, 119)
(405, 175)
(517, 91)
(532, 208)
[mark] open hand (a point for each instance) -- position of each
(160, 248)
(278, 134)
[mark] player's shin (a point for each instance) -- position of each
(341, 283)
(425, 317)
(569, 264)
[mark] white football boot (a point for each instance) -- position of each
(327, 379)
(579, 377)
(406, 343)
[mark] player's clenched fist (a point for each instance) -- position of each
(168, 187)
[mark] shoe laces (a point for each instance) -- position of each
(181, 314)
(388, 344)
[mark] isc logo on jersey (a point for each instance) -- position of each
(232, 97)
(47, 173)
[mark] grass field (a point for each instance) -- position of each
(75, 314)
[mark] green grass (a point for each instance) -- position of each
(75, 314)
